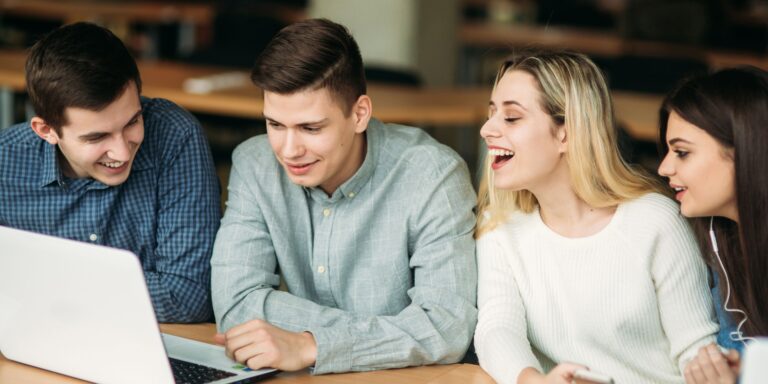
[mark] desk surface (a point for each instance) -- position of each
(464, 107)
(11, 372)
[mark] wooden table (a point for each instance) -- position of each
(423, 106)
(430, 106)
(12, 372)
(608, 44)
(638, 113)
(441, 107)
(195, 19)
(495, 35)
(724, 59)
(70, 11)
(595, 42)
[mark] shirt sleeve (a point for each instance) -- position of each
(501, 337)
(188, 218)
(436, 327)
(685, 304)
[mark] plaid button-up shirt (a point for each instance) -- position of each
(166, 212)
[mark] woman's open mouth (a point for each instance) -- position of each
(500, 157)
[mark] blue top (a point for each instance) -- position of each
(727, 324)
(166, 212)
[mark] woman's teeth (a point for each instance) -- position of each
(500, 152)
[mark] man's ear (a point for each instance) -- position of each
(45, 131)
(362, 110)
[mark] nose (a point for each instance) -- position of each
(292, 146)
(489, 129)
(121, 149)
(666, 168)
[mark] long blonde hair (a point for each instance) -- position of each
(572, 92)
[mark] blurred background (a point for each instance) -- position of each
(430, 63)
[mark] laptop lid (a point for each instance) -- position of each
(84, 310)
(755, 364)
(78, 309)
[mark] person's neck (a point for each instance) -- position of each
(64, 166)
(566, 213)
(354, 162)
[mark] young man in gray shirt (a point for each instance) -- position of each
(368, 224)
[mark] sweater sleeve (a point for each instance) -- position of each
(680, 277)
(501, 339)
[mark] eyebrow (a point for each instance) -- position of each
(508, 103)
(96, 135)
(678, 140)
(304, 124)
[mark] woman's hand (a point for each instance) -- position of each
(561, 374)
(711, 366)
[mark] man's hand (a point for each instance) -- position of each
(259, 344)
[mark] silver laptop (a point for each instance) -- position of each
(754, 369)
(84, 311)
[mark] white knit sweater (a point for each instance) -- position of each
(630, 301)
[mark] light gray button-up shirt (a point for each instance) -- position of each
(382, 273)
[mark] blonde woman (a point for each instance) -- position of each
(582, 262)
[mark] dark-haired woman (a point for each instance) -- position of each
(716, 132)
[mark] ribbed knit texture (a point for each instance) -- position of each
(630, 301)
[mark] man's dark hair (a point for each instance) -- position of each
(80, 65)
(312, 54)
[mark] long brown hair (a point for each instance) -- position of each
(732, 106)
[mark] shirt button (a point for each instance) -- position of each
(326, 212)
(93, 237)
(320, 269)
(351, 194)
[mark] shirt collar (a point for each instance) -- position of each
(372, 138)
(51, 171)
(142, 160)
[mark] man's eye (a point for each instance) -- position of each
(95, 139)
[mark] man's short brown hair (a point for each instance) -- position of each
(312, 54)
(80, 65)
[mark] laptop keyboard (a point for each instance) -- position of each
(185, 372)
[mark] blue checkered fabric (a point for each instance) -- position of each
(167, 212)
